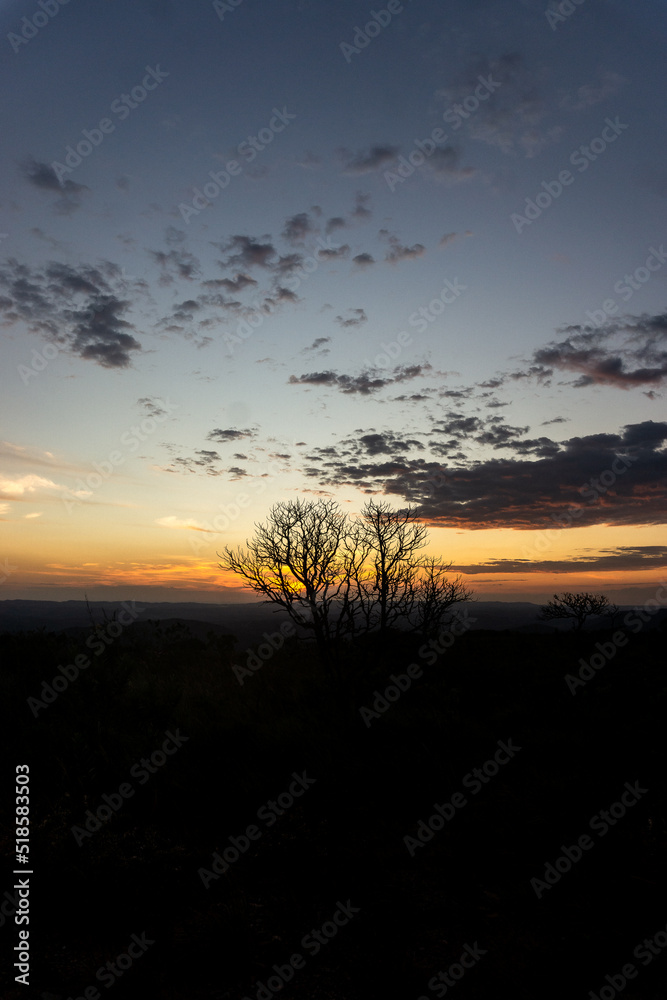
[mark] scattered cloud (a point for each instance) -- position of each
(363, 260)
(624, 353)
(587, 473)
(624, 559)
(229, 434)
(298, 227)
(183, 524)
(363, 384)
(367, 161)
(44, 177)
(76, 307)
(356, 317)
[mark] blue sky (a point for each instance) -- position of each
(494, 410)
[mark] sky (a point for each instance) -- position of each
(253, 252)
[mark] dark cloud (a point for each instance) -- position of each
(78, 308)
(447, 239)
(501, 435)
(357, 317)
(614, 479)
(235, 284)
(363, 260)
(285, 294)
(286, 265)
(176, 264)
(229, 434)
(298, 227)
(331, 253)
(364, 384)
(445, 163)
(457, 424)
(44, 177)
(386, 444)
(397, 251)
(202, 461)
(337, 222)
(184, 311)
(360, 213)
(366, 162)
(361, 210)
(318, 345)
(624, 353)
(624, 559)
(247, 252)
(102, 337)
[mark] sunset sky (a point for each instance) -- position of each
(432, 269)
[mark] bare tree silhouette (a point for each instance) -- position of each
(338, 576)
(578, 607)
(403, 587)
(306, 559)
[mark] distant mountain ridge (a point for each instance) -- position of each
(248, 621)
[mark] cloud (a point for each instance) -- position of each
(363, 384)
(612, 479)
(185, 524)
(361, 210)
(512, 118)
(357, 318)
(152, 405)
(624, 353)
(318, 345)
(624, 559)
(248, 252)
(92, 328)
(298, 227)
(235, 284)
(44, 177)
(331, 253)
(368, 161)
(202, 460)
(31, 483)
(336, 222)
(397, 251)
(176, 264)
(360, 213)
(444, 162)
(363, 260)
(229, 434)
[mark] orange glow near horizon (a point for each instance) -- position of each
(78, 561)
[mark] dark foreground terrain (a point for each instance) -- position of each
(197, 837)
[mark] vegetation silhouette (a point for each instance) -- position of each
(340, 578)
(578, 607)
(137, 871)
